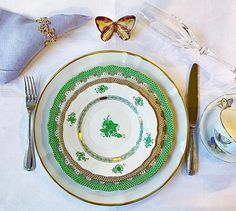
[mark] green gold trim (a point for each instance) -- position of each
(160, 129)
(168, 129)
(90, 54)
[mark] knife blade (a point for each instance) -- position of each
(192, 107)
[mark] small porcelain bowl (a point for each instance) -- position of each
(225, 126)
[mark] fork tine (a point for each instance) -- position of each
(26, 85)
(34, 88)
(29, 88)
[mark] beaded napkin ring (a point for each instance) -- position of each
(48, 32)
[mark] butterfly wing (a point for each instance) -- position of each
(230, 101)
(124, 26)
(106, 26)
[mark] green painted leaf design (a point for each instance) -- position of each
(148, 140)
(110, 128)
(138, 101)
(118, 169)
(118, 135)
(71, 118)
(101, 89)
(81, 156)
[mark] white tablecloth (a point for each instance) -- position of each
(213, 22)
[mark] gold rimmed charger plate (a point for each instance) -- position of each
(106, 58)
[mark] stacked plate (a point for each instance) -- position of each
(105, 130)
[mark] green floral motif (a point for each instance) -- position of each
(71, 118)
(101, 89)
(123, 156)
(138, 101)
(81, 156)
(148, 140)
(137, 180)
(118, 168)
(110, 128)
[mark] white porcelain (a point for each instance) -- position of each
(41, 133)
(225, 126)
(130, 123)
(211, 125)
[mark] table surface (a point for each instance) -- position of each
(213, 22)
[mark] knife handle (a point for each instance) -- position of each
(192, 161)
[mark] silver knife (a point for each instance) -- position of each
(192, 106)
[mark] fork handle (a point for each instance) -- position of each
(192, 160)
(29, 159)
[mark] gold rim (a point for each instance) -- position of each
(159, 140)
(90, 54)
(201, 136)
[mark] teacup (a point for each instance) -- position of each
(225, 129)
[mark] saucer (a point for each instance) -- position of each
(210, 116)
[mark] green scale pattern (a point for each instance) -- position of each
(93, 184)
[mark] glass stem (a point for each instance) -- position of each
(206, 51)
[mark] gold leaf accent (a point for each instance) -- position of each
(48, 32)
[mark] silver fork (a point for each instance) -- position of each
(31, 99)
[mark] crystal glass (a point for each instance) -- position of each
(174, 30)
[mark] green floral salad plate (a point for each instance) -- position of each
(110, 128)
(110, 121)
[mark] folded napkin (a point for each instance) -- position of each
(22, 38)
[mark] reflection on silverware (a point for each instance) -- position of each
(31, 99)
(192, 105)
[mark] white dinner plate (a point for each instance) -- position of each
(105, 58)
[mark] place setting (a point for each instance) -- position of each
(111, 127)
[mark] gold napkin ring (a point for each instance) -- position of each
(48, 32)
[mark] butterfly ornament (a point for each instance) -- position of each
(122, 27)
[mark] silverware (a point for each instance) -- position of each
(31, 99)
(192, 106)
